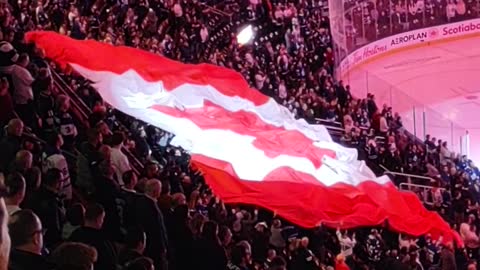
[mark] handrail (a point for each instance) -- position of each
(324, 122)
(77, 194)
(65, 88)
(334, 128)
(85, 111)
(406, 174)
(419, 186)
(425, 188)
(383, 167)
(216, 10)
(328, 121)
(28, 133)
(37, 139)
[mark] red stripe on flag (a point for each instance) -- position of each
(307, 204)
(274, 141)
(98, 56)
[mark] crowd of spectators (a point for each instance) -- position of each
(370, 20)
(74, 197)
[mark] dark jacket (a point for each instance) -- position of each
(447, 260)
(107, 256)
(128, 255)
(304, 260)
(150, 218)
(49, 208)
(10, 145)
(260, 245)
(22, 260)
(210, 255)
(181, 239)
(90, 152)
(107, 193)
(127, 203)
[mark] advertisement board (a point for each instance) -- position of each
(408, 39)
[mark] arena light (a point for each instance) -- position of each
(245, 35)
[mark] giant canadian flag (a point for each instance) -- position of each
(251, 149)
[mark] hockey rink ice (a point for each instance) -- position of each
(434, 86)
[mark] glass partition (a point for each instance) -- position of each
(356, 23)
(418, 118)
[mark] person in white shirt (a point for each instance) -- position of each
(260, 80)
(22, 81)
(383, 125)
(16, 186)
(204, 34)
(346, 242)
(119, 159)
(468, 234)
(282, 90)
(164, 141)
(276, 238)
(445, 154)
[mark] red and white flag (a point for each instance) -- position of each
(251, 149)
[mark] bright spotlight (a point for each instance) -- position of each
(245, 35)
